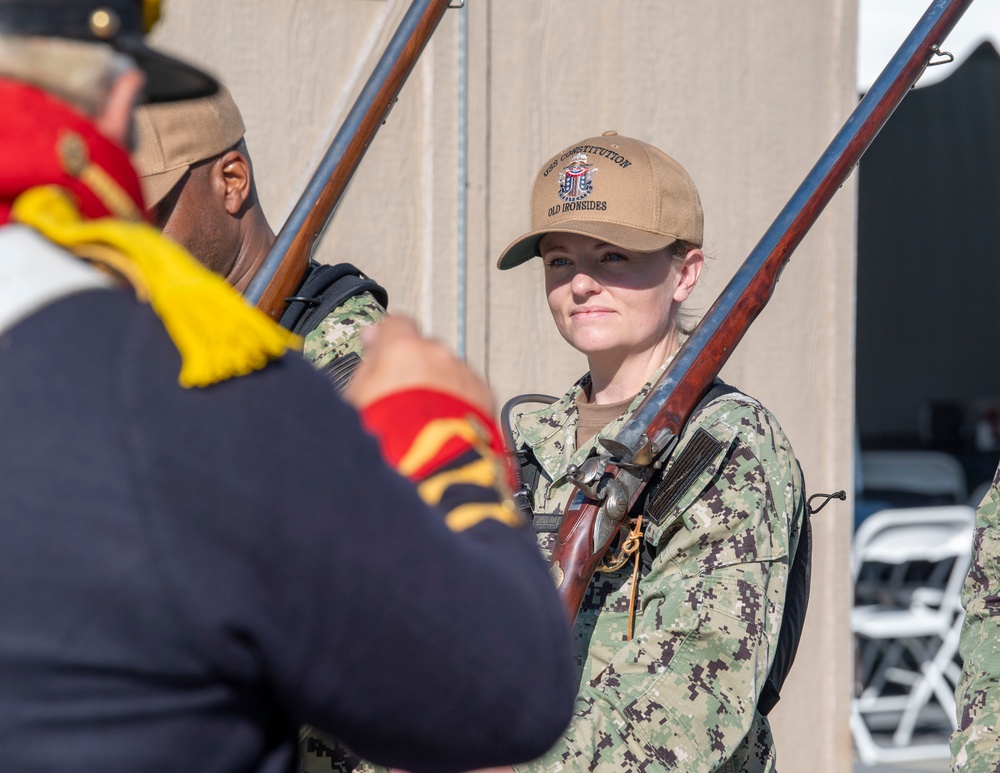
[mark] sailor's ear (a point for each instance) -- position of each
(687, 274)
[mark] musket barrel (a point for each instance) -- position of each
(671, 400)
(715, 337)
(321, 196)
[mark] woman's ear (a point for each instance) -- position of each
(687, 274)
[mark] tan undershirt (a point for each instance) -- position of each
(593, 418)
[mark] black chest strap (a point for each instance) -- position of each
(323, 290)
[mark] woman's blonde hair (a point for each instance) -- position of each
(80, 73)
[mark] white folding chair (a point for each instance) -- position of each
(908, 644)
(931, 473)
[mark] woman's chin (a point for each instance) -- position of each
(590, 338)
(598, 348)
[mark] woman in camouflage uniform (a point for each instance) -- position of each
(618, 226)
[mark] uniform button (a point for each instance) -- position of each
(609, 134)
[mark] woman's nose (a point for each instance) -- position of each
(584, 284)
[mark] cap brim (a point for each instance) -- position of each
(155, 187)
(167, 79)
(626, 237)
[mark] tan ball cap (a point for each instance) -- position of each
(620, 190)
(172, 136)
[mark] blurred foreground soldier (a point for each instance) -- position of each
(202, 548)
(975, 745)
(198, 184)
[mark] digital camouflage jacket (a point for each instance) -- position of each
(975, 745)
(681, 695)
(339, 333)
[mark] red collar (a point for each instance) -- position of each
(43, 141)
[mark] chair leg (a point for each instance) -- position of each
(932, 680)
(868, 751)
(919, 697)
(881, 660)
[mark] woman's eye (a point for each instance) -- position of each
(615, 256)
(556, 262)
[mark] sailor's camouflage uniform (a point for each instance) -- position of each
(339, 332)
(682, 694)
(975, 745)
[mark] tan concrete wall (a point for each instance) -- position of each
(746, 95)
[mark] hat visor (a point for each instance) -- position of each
(167, 79)
(155, 187)
(624, 236)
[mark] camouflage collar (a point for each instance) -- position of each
(551, 431)
(537, 427)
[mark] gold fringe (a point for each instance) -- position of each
(217, 334)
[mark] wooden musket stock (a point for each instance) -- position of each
(282, 272)
(613, 482)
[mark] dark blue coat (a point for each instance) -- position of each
(187, 576)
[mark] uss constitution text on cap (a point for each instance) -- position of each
(616, 189)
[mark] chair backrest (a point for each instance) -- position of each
(918, 472)
(906, 535)
(936, 542)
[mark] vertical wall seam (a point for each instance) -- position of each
(427, 192)
(841, 246)
(462, 182)
(486, 172)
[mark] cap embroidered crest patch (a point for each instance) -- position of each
(576, 181)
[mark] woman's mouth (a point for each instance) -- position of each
(590, 311)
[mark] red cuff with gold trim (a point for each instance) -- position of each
(421, 430)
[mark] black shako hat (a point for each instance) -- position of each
(119, 23)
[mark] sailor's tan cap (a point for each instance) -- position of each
(616, 189)
(172, 136)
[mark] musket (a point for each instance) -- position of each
(281, 273)
(612, 482)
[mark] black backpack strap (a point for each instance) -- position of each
(794, 617)
(323, 290)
